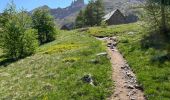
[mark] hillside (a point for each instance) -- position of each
(116, 57)
(57, 69)
(124, 5)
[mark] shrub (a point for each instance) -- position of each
(18, 39)
(103, 24)
(30, 41)
(44, 23)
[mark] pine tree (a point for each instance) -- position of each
(94, 13)
(157, 14)
(80, 20)
(99, 9)
(89, 14)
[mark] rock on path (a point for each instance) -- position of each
(126, 87)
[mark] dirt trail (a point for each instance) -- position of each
(126, 87)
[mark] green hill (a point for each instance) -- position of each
(56, 71)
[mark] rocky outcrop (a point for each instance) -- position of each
(64, 12)
(67, 14)
(124, 6)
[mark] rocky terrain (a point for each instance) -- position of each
(67, 14)
(124, 5)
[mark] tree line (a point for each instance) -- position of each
(92, 15)
(21, 32)
(157, 15)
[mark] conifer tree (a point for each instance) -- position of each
(99, 11)
(89, 14)
(80, 20)
(94, 12)
(157, 14)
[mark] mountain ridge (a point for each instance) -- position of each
(68, 14)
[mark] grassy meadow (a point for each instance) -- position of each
(147, 54)
(55, 72)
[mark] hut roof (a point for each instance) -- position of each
(109, 15)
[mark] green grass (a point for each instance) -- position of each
(154, 76)
(113, 30)
(144, 57)
(55, 71)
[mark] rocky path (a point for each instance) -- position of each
(126, 87)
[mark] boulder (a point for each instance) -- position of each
(94, 61)
(88, 79)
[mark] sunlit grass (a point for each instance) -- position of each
(55, 71)
(154, 76)
(113, 30)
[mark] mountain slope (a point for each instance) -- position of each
(55, 72)
(68, 14)
(124, 5)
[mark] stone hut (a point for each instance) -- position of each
(68, 26)
(114, 18)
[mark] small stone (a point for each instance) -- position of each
(83, 29)
(122, 67)
(128, 74)
(132, 98)
(102, 54)
(88, 79)
(137, 86)
(113, 38)
(116, 94)
(114, 43)
(116, 50)
(113, 49)
(130, 86)
(126, 82)
(112, 46)
(132, 92)
(29, 75)
(94, 61)
(4, 74)
(131, 33)
(47, 86)
(108, 45)
(126, 65)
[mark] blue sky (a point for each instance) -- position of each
(31, 4)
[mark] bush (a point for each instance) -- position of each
(18, 39)
(44, 23)
(104, 24)
(30, 41)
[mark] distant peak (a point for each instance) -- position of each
(76, 2)
(45, 6)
